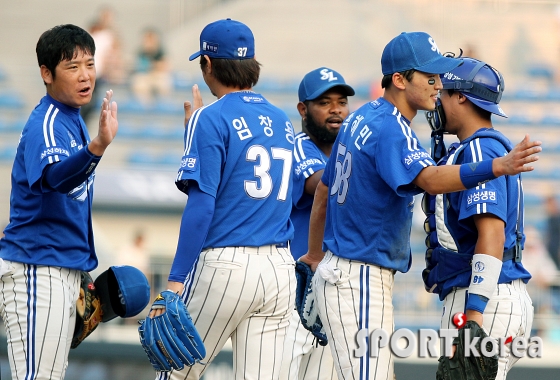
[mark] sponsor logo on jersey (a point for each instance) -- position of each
(375, 104)
(73, 143)
(210, 46)
(482, 196)
(413, 157)
(479, 266)
(189, 163)
(54, 151)
(252, 99)
(305, 164)
(477, 279)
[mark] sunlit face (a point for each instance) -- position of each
(422, 91)
(325, 115)
(74, 80)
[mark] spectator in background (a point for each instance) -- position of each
(109, 63)
(152, 75)
(552, 234)
(136, 254)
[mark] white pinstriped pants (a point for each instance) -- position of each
(304, 359)
(357, 296)
(38, 304)
(509, 312)
(248, 294)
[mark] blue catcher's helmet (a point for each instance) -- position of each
(479, 82)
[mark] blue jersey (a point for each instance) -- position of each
(374, 161)
(239, 150)
(501, 197)
(308, 159)
(47, 227)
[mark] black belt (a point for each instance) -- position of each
(513, 253)
(282, 245)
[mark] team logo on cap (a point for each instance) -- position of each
(433, 43)
(326, 74)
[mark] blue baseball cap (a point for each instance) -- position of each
(123, 290)
(319, 81)
(415, 50)
(228, 39)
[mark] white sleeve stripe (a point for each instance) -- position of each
(423, 164)
(299, 153)
(192, 126)
(479, 150)
(190, 130)
(412, 142)
(45, 123)
(51, 127)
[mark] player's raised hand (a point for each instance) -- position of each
(108, 125)
(196, 104)
(517, 160)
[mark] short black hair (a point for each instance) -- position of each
(62, 43)
(242, 73)
(387, 80)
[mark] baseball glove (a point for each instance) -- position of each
(305, 303)
(461, 367)
(170, 339)
(88, 310)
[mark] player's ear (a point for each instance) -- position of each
(461, 98)
(398, 81)
(302, 109)
(46, 74)
(208, 64)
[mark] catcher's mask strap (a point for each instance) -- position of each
(123, 290)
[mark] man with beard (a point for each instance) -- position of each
(323, 105)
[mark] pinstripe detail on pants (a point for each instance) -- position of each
(37, 304)
(360, 298)
(509, 312)
(246, 294)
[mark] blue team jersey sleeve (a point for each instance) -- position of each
(399, 157)
(44, 145)
(490, 197)
(308, 160)
(204, 153)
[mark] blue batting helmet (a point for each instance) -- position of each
(482, 84)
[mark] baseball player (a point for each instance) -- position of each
(235, 229)
(49, 239)
(365, 199)
(476, 264)
(323, 105)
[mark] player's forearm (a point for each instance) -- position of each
(71, 172)
(317, 223)
(195, 224)
(440, 179)
(450, 178)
